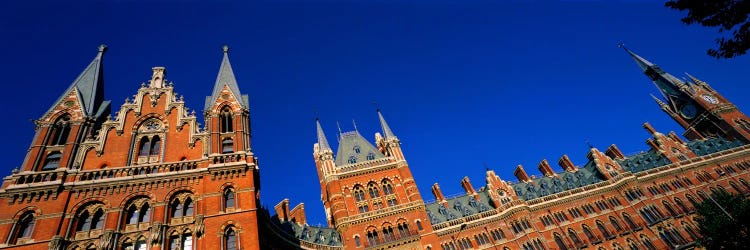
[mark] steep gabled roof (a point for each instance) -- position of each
(353, 146)
(226, 78)
(90, 87)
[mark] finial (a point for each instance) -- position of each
(374, 103)
(620, 44)
(316, 114)
(102, 47)
(225, 48)
(486, 168)
(355, 125)
(339, 127)
(589, 144)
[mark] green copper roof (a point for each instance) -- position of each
(226, 77)
(386, 129)
(90, 87)
(353, 148)
(312, 234)
(322, 141)
(543, 186)
(667, 84)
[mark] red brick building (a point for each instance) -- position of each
(148, 176)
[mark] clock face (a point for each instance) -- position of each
(688, 111)
(710, 99)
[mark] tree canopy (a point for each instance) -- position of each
(719, 230)
(727, 15)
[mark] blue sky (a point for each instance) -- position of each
(461, 83)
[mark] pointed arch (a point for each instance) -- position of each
(225, 120)
(23, 227)
(52, 161)
(59, 130)
(155, 149)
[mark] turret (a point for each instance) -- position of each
(227, 112)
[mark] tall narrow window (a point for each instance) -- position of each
(84, 221)
(155, 146)
(60, 130)
(189, 207)
(23, 228)
(373, 190)
(177, 209)
(97, 221)
(132, 215)
(187, 242)
(357, 241)
(230, 240)
(52, 161)
(228, 199)
(145, 147)
(174, 242)
(227, 146)
(145, 213)
(226, 120)
(559, 242)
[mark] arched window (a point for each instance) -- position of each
(97, 221)
(228, 198)
(356, 149)
(60, 130)
(132, 215)
(373, 190)
(419, 225)
(603, 230)
(589, 234)
(189, 207)
(227, 146)
(574, 237)
(735, 187)
(681, 205)
(226, 120)
(387, 188)
(690, 231)
(140, 244)
(23, 228)
(52, 161)
(177, 209)
(372, 237)
(230, 239)
(670, 209)
(86, 221)
(352, 160)
(615, 224)
(145, 147)
(187, 241)
(155, 146)
(357, 241)
(145, 213)
(632, 245)
(560, 243)
(647, 243)
(359, 194)
(370, 156)
(667, 237)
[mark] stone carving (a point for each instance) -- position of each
(106, 240)
(56, 243)
(199, 226)
(156, 232)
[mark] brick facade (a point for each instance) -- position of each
(149, 177)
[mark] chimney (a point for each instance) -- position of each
(521, 174)
(438, 194)
(466, 184)
(676, 138)
(566, 164)
(614, 152)
(649, 128)
(545, 168)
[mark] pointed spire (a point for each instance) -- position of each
(667, 84)
(90, 86)
(660, 102)
(322, 141)
(226, 78)
(386, 130)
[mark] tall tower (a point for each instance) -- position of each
(71, 119)
(695, 105)
(368, 191)
(227, 113)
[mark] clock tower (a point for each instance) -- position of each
(695, 105)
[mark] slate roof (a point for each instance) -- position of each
(458, 207)
(543, 186)
(90, 87)
(353, 145)
(312, 234)
(652, 159)
(226, 77)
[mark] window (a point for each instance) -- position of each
(86, 221)
(574, 237)
(359, 194)
(559, 242)
(227, 146)
(189, 207)
(225, 120)
(403, 230)
(180, 208)
(590, 235)
(177, 209)
(647, 242)
(357, 241)
(387, 188)
(373, 190)
(228, 199)
(603, 230)
(356, 149)
(370, 156)
(419, 225)
(52, 161)
(372, 238)
(615, 224)
(145, 147)
(23, 228)
(352, 160)
(60, 130)
(230, 239)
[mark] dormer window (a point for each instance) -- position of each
(370, 156)
(356, 149)
(352, 160)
